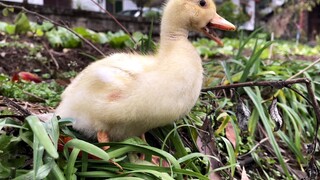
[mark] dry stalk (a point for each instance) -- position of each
(114, 19)
(52, 56)
(305, 69)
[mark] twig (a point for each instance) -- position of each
(16, 107)
(316, 110)
(51, 55)
(20, 117)
(276, 84)
(255, 147)
(34, 96)
(305, 69)
(55, 23)
(115, 20)
(271, 46)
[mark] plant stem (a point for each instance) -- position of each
(276, 84)
(115, 20)
(305, 69)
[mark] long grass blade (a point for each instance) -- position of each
(70, 166)
(87, 147)
(40, 133)
(231, 154)
(256, 99)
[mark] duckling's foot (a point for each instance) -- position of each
(156, 160)
(103, 137)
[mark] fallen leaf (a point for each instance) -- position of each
(26, 76)
(206, 145)
(230, 134)
(244, 175)
(243, 114)
(275, 115)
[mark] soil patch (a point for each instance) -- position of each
(33, 54)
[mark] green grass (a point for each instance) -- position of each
(279, 155)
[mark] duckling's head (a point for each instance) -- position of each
(195, 15)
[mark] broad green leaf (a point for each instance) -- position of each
(45, 169)
(10, 29)
(40, 132)
(38, 151)
(6, 11)
(22, 23)
(71, 164)
(87, 147)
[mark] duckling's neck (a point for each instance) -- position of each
(175, 46)
(173, 34)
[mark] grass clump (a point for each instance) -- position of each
(209, 140)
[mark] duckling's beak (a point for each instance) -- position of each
(217, 22)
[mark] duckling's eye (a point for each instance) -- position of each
(202, 3)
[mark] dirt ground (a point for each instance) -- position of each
(36, 55)
(21, 55)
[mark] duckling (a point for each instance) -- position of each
(125, 95)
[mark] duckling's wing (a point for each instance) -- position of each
(110, 78)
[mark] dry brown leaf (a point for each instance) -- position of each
(243, 114)
(206, 145)
(230, 134)
(275, 115)
(244, 175)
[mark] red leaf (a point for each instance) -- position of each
(26, 76)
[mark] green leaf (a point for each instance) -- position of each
(45, 169)
(3, 26)
(38, 151)
(54, 38)
(70, 171)
(40, 133)
(10, 29)
(87, 147)
(5, 12)
(253, 59)
(22, 23)
(231, 155)
(39, 32)
(4, 141)
(46, 26)
(4, 172)
(61, 37)
(56, 172)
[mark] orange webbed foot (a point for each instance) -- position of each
(103, 137)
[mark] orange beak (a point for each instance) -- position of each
(217, 22)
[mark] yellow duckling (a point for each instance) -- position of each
(125, 95)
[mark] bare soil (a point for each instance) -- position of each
(54, 61)
(19, 56)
